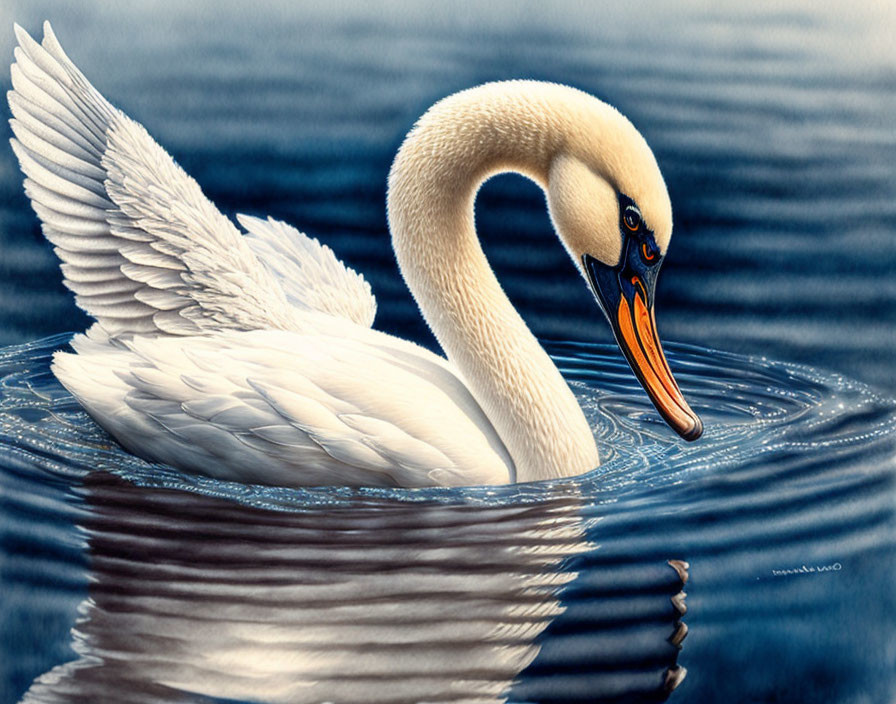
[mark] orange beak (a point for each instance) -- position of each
(641, 346)
(625, 293)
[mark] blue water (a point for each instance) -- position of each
(773, 128)
(124, 576)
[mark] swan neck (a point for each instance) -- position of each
(453, 149)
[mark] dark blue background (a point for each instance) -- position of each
(773, 127)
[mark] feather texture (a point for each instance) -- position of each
(251, 356)
(210, 403)
(311, 275)
(144, 250)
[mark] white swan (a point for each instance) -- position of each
(251, 357)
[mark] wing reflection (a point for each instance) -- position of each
(194, 597)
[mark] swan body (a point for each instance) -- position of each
(250, 355)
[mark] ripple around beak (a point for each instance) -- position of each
(635, 328)
(265, 593)
(625, 296)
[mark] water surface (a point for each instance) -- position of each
(120, 575)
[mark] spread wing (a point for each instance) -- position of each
(142, 248)
(343, 406)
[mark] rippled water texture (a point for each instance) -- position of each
(181, 588)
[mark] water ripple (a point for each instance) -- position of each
(188, 588)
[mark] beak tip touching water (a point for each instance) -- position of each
(693, 432)
(626, 298)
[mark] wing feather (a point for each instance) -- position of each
(143, 249)
(310, 273)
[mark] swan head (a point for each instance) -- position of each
(610, 207)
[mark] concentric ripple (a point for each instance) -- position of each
(122, 576)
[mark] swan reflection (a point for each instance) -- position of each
(373, 600)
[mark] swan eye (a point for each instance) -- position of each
(648, 253)
(632, 218)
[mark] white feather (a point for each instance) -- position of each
(252, 358)
(311, 275)
(205, 403)
(101, 185)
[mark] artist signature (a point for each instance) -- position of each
(808, 569)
